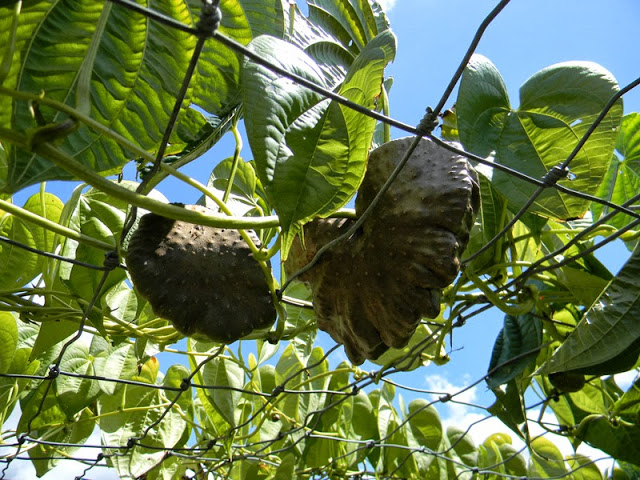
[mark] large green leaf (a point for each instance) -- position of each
(243, 198)
(607, 340)
(125, 71)
(71, 438)
(583, 468)
(463, 444)
(135, 70)
(489, 221)
(42, 413)
(18, 266)
(8, 340)
(557, 106)
(519, 336)
(546, 460)
(355, 23)
(228, 378)
(310, 153)
(216, 88)
(77, 391)
(129, 414)
(622, 181)
(414, 356)
(628, 405)
(97, 215)
(620, 439)
(425, 424)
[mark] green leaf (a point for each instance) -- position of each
(286, 470)
(291, 366)
(557, 106)
(8, 340)
(226, 375)
(355, 23)
(137, 66)
(120, 363)
(463, 445)
(621, 439)
(219, 66)
(310, 153)
(592, 398)
(129, 414)
(516, 464)
(490, 220)
(301, 320)
(519, 335)
(622, 181)
(509, 407)
(425, 424)
(40, 410)
(99, 216)
(583, 468)
(10, 386)
(242, 197)
(546, 460)
(628, 405)
(77, 392)
(607, 339)
(18, 267)
(585, 286)
(72, 436)
(52, 333)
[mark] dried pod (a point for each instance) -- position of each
(203, 279)
(371, 291)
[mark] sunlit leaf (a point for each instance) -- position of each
(622, 181)
(620, 439)
(419, 352)
(425, 424)
(607, 339)
(228, 377)
(18, 266)
(546, 459)
(558, 105)
(310, 153)
(583, 468)
(77, 392)
(129, 414)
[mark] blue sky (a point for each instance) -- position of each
(432, 38)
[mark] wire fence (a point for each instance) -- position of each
(215, 457)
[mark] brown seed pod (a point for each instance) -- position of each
(203, 279)
(371, 291)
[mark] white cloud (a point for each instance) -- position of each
(387, 5)
(456, 407)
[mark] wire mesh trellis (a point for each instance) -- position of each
(238, 443)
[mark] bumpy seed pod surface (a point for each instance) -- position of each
(203, 279)
(371, 291)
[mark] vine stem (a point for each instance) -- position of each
(78, 116)
(68, 163)
(53, 226)
(236, 159)
(496, 300)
